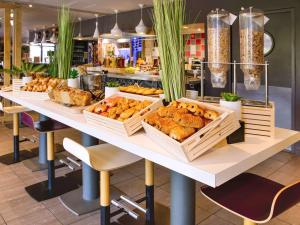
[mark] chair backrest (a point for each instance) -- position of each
(285, 199)
(77, 150)
(27, 120)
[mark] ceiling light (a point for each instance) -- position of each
(53, 38)
(44, 36)
(79, 36)
(141, 28)
(116, 31)
(96, 33)
(185, 27)
(30, 5)
(123, 40)
(35, 40)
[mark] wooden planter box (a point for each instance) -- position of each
(131, 125)
(201, 141)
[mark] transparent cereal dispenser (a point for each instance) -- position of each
(218, 35)
(252, 23)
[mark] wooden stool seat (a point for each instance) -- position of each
(104, 157)
(49, 126)
(15, 109)
(254, 198)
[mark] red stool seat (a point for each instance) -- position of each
(253, 197)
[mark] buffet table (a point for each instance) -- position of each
(214, 168)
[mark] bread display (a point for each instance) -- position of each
(119, 108)
(71, 96)
(180, 120)
(42, 84)
(135, 89)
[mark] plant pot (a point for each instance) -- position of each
(109, 91)
(73, 83)
(234, 106)
(26, 80)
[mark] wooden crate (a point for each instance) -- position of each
(17, 85)
(201, 141)
(259, 121)
(131, 125)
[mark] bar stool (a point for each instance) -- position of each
(40, 162)
(17, 155)
(256, 199)
(53, 187)
(105, 158)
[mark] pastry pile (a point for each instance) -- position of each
(71, 96)
(119, 108)
(42, 84)
(134, 89)
(180, 120)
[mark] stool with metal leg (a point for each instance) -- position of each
(255, 199)
(53, 187)
(85, 199)
(17, 155)
(103, 158)
(40, 162)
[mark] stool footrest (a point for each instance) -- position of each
(125, 209)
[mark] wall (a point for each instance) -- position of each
(284, 24)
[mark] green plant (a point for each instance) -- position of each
(230, 97)
(65, 43)
(112, 84)
(53, 64)
(168, 19)
(26, 69)
(73, 74)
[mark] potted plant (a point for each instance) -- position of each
(111, 88)
(25, 71)
(233, 102)
(73, 79)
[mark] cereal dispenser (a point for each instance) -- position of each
(252, 23)
(218, 35)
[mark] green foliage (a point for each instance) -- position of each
(112, 84)
(53, 65)
(73, 74)
(26, 69)
(65, 43)
(168, 19)
(230, 97)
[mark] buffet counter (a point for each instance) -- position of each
(214, 168)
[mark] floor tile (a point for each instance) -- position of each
(132, 187)
(291, 216)
(214, 220)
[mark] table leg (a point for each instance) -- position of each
(149, 177)
(182, 200)
(16, 137)
(50, 158)
(42, 144)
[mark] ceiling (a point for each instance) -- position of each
(44, 12)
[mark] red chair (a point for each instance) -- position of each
(256, 199)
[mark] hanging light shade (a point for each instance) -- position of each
(116, 31)
(44, 37)
(53, 38)
(96, 33)
(79, 36)
(35, 40)
(141, 28)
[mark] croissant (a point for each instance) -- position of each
(210, 114)
(167, 111)
(128, 113)
(180, 133)
(166, 125)
(152, 118)
(188, 120)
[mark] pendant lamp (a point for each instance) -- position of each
(96, 33)
(116, 31)
(141, 28)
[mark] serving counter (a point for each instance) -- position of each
(214, 168)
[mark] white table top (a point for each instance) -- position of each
(213, 168)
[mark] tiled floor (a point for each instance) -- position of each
(17, 208)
